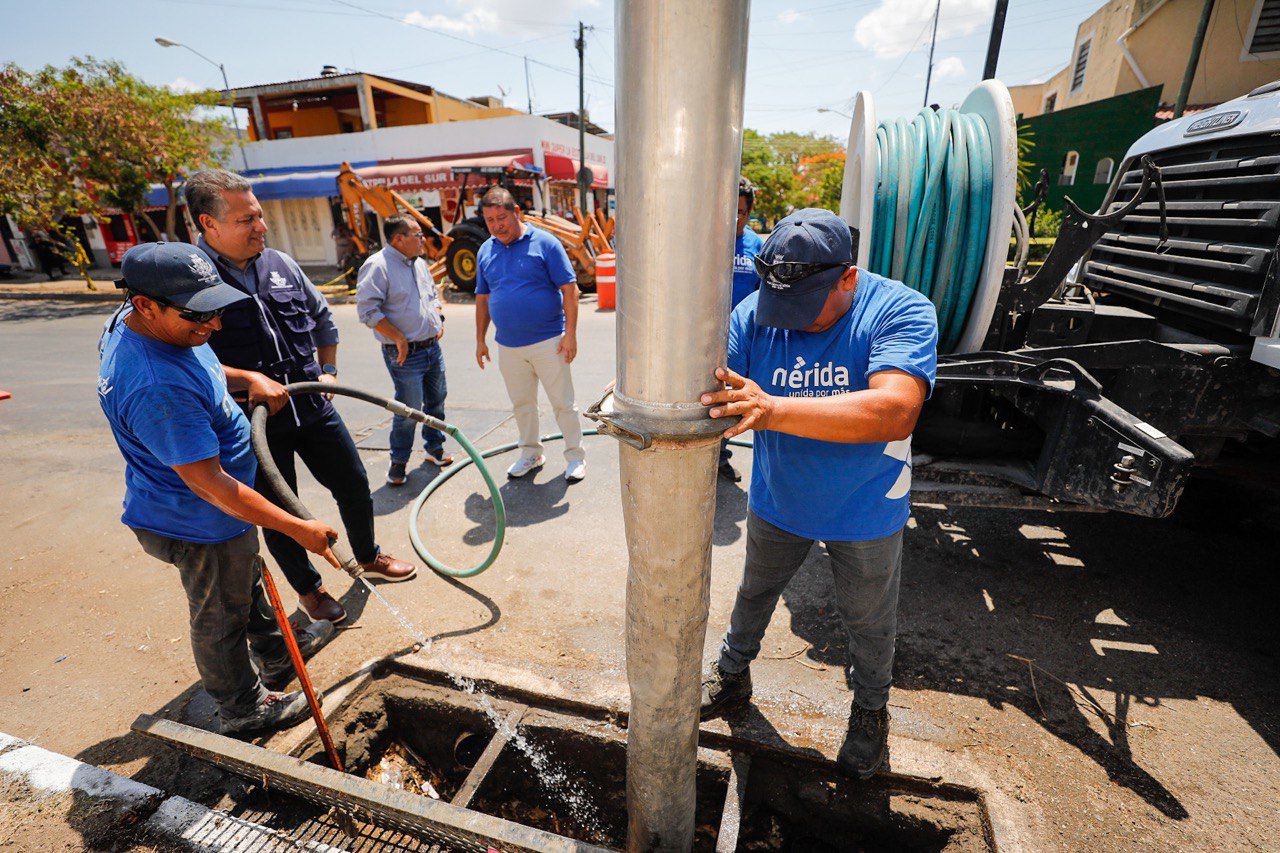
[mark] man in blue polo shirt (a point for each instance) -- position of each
(526, 284)
(830, 365)
(189, 473)
(745, 282)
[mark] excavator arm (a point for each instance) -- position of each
(356, 195)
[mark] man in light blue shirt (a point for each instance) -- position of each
(397, 298)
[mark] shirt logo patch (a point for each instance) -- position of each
(104, 388)
(277, 280)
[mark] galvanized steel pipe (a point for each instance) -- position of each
(680, 76)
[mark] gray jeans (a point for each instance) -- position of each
(227, 605)
(866, 591)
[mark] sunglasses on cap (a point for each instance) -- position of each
(789, 272)
(183, 313)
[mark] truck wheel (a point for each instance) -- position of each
(460, 264)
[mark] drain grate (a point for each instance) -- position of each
(439, 822)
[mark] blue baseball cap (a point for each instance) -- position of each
(178, 273)
(812, 237)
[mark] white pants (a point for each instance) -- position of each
(522, 369)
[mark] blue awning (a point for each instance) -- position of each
(278, 184)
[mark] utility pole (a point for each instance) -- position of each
(993, 44)
(1193, 60)
(928, 76)
(528, 89)
(581, 45)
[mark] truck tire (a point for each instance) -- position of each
(460, 263)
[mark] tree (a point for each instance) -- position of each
(792, 170)
(90, 138)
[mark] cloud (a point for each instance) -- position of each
(183, 85)
(895, 26)
(949, 67)
(473, 17)
(789, 16)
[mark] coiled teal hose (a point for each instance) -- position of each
(933, 210)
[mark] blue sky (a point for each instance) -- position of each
(804, 54)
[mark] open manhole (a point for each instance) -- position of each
(525, 772)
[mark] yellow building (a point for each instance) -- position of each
(1134, 44)
(349, 103)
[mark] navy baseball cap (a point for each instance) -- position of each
(809, 237)
(178, 273)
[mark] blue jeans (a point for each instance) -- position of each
(419, 384)
(866, 596)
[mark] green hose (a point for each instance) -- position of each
(932, 210)
(292, 503)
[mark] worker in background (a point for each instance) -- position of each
(397, 298)
(830, 365)
(745, 282)
(525, 282)
(285, 331)
(189, 472)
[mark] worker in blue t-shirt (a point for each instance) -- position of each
(745, 282)
(830, 366)
(526, 284)
(189, 473)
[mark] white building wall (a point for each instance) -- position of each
(422, 141)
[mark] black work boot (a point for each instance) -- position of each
(723, 691)
(275, 711)
(866, 745)
(275, 674)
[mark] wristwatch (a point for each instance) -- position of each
(330, 369)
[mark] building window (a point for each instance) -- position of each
(1069, 163)
(1050, 102)
(1264, 31)
(1102, 173)
(1082, 60)
(283, 133)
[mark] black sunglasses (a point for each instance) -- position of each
(789, 272)
(183, 313)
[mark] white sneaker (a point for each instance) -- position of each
(525, 464)
(575, 471)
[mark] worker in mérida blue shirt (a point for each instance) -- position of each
(286, 332)
(189, 471)
(830, 365)
(745, 282)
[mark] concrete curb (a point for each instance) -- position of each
(111, 295)
(139, 808)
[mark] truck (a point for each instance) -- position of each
(1146, 349)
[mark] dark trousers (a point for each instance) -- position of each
(228, 606)
(330, 455)
(419, 384)
(866, 576)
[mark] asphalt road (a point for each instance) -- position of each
(1113, 677)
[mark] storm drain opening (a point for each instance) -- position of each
(431, 767)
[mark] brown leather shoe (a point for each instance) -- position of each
(322, 605)
(388, 568)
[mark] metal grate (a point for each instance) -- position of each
(1266, 32)
(1224, 221)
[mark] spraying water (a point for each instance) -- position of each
(554, 778)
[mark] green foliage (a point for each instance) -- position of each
(89, 138)
(792, 170)
(1048, 223)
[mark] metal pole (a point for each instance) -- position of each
(528, 89)
(581, 44)
(235, 119)
(993, 43)
(1193, 59)
(680, 72)
(933, 42)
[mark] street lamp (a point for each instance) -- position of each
(837, 112)
(226, 90)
